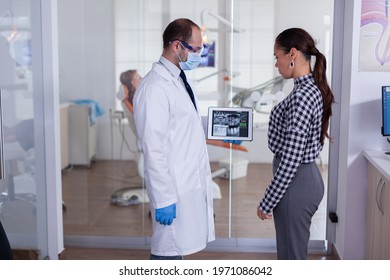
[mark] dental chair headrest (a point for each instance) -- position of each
(122, 93)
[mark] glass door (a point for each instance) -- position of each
(240, 72)
(23, 199)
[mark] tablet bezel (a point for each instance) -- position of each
(211, 112)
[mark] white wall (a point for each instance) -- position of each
(360, 114)
(319, 24)
(86, 57)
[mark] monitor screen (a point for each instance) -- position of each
(208, 55)
(386, 110)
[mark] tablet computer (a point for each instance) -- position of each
(230, 123)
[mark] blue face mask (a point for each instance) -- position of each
(192, 61)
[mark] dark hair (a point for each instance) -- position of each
(179, 29)
(126, 78)
(303, 42)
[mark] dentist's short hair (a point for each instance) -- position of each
(179, 29)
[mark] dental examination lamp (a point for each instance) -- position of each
(226, 22)
(268, 93)
(220, 19)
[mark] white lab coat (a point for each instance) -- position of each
(177, 168)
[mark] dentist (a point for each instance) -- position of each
(169, 127)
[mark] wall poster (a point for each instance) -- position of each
(374, 52)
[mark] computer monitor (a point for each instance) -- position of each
(208, 55)
(386, 110)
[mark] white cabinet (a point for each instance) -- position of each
(378, 207)
(82, 135)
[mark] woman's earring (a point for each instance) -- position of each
(292, 64)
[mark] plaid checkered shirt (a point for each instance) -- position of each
(294, 135)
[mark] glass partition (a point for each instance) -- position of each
(239, 72)
(23, 200)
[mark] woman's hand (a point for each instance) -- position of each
(262, 215)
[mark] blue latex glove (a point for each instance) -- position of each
(166, 215)
(237, 142)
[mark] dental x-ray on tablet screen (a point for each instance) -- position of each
(230, 123)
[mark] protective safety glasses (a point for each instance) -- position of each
(190, 48)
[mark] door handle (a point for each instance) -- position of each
(2, 161)
(379, 189)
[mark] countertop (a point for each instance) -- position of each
(380, 160)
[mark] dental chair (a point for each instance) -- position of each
(18, 189)
(130, 195)
(128, 112)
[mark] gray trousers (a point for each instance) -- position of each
(293, 214)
